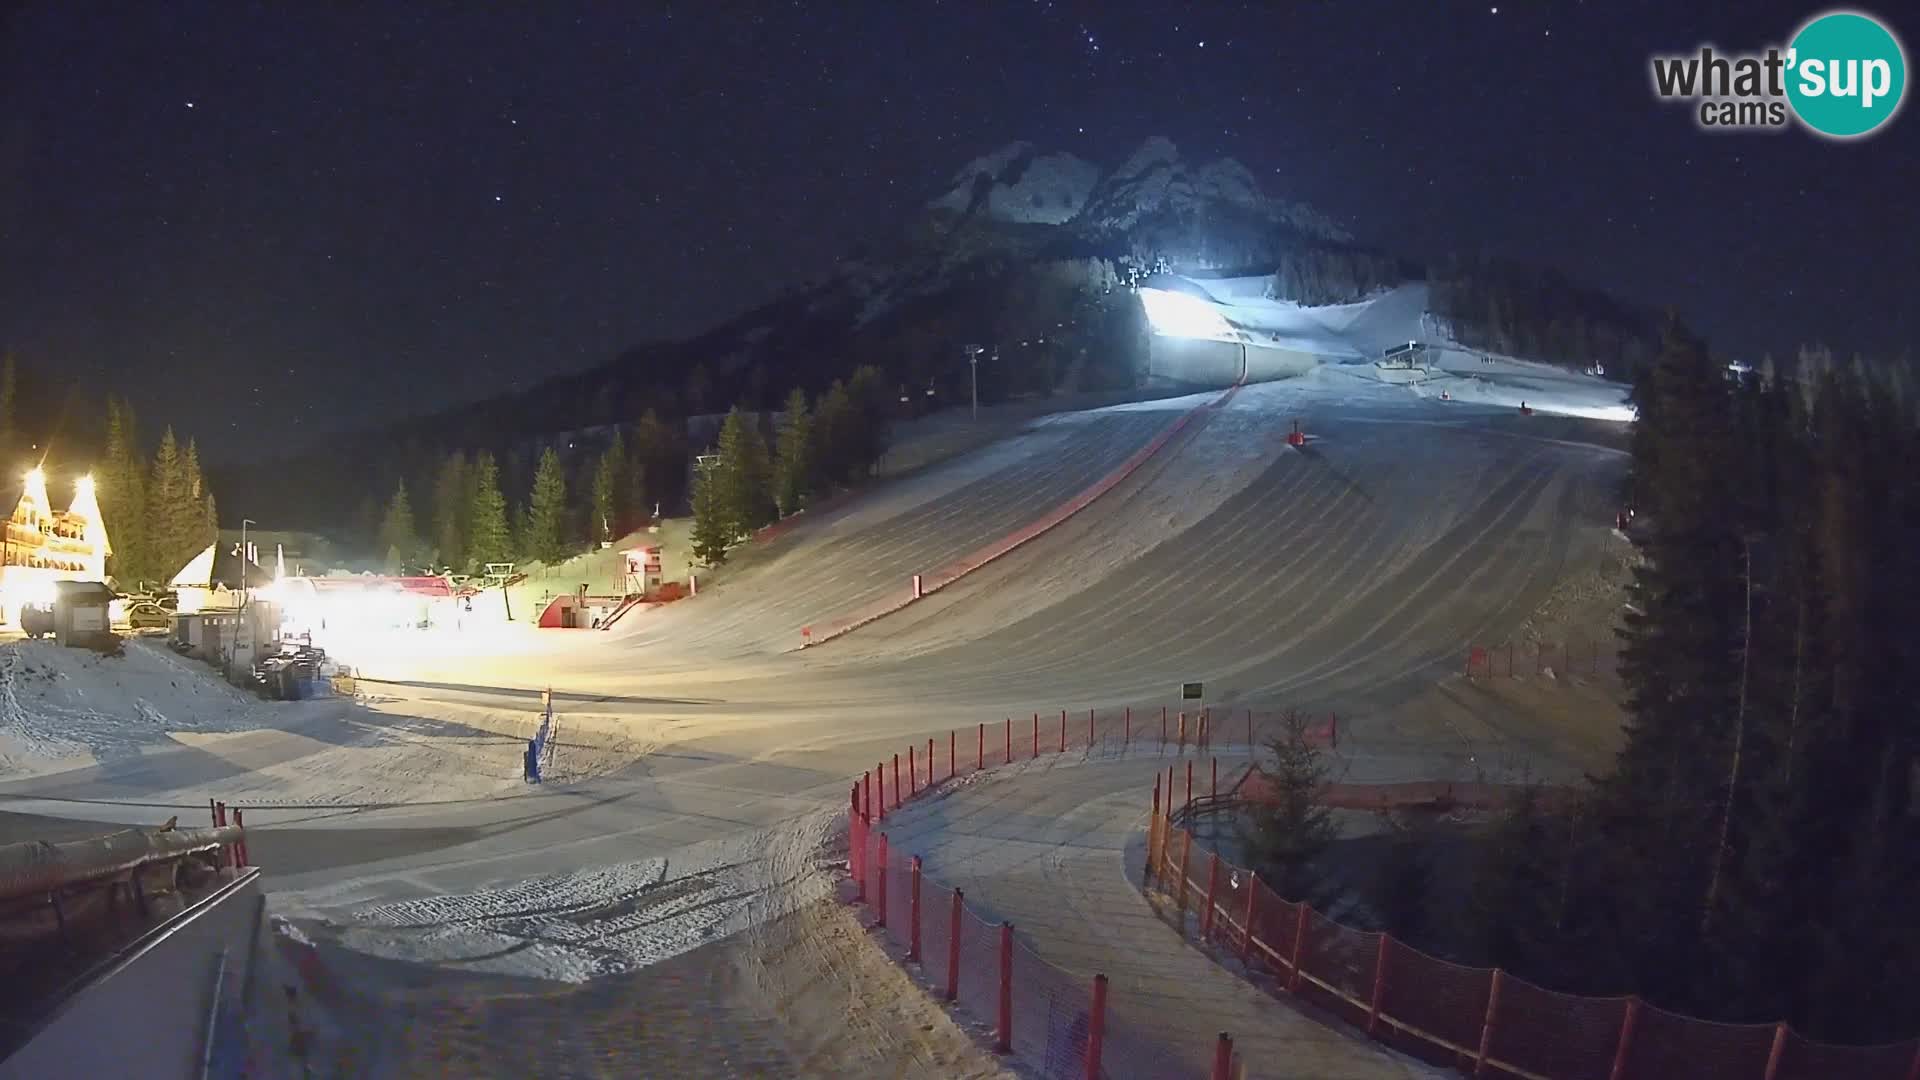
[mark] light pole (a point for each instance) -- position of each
(973, 370)
(244, 522)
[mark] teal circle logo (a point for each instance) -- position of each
(1846, 74)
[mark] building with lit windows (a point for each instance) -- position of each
(43, 545)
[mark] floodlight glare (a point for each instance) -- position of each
(1173, 314)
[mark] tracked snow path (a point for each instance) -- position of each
(1056, 849)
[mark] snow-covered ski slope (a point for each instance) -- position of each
(1350, 574)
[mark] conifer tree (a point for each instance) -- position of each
(452, 509)
(1284, 835)
(397, 535)
(793, 462)
(610, 492)
(122, 495)
(713, 525)
(744, 475)
(489, 538)
(835, 433)
(873, 408)
(547, 538)
(171, 510)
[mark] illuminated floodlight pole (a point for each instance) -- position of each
(244, 522)
(973, 368)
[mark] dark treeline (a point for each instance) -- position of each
(472, 510)
(833, 443)
(1326, 275)
(158, 511)
(1529, 311)
(1754, 853)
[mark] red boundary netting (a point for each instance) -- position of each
(1553, 1034)
(1577, 656)
(1446, 1004)
(1804, 1059)
(1667, 1044)
(1440, 1011)
(1432, 1008)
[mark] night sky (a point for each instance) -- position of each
(267, 226)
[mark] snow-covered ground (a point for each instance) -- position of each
(151, 733)
(66, 708)
(598, 920)
(1351, 574)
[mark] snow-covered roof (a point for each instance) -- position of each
(197, 574)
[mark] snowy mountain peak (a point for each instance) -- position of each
(1016, 183)
(1156, 180)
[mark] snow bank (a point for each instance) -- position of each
(66, 708)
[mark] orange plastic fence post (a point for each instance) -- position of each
(1096, 1026)
(1246, 939)
(1183, 731)
(1163, 839)
(857, 849)
(1153, 823)
(1003, 1038)
(880, 779)
(240, 845)
(1379, 983)
(1213, 890)
(913, 910)
(953, 949)
(1223, 1057)
(880, 884)
(1486, 1026)
(1189, 801)
(1009, 760)
(929, 762)
(1625, 1045)
(1036, 734)
(1186, 851)
(1063, 731)
(913, 774)
(1089, 729)
(1776, 1052)
(896, 781)
(1299, 946)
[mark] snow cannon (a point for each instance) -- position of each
(1525, 409)
(1296, 437)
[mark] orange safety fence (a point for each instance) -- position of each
(1483, 1021)
(1050, 1020)
(1576, 656)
